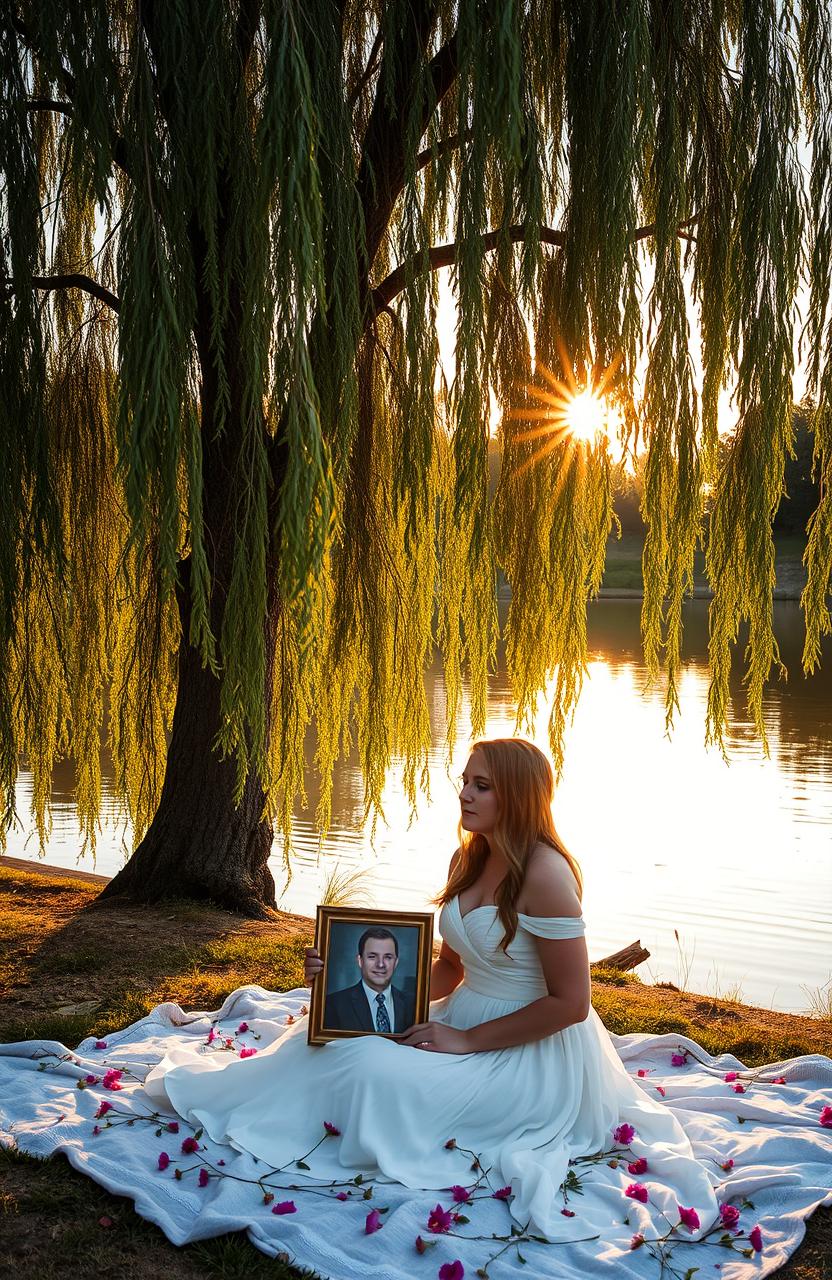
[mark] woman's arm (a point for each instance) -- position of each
(446, 972)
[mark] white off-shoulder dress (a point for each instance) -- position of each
(525, 1110)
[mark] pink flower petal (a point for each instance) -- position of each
(372, 1222)
(284, 1206)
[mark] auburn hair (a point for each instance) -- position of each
(524, 784)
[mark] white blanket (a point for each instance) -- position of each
(769, 1144)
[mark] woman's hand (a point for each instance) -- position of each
(435, 1037)
(312, 965)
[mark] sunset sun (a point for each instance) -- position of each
(585, 416)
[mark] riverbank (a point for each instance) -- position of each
(72, 967)
(623, 577)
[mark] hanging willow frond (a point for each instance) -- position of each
(223, 419)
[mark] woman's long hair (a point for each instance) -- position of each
(524, 784)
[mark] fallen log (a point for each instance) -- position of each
(626, 958)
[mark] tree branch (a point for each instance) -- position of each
(444, 255)
(75, 280)
(49, 104)
(442, 148)
(368, 70)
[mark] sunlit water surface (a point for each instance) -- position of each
(736, 856)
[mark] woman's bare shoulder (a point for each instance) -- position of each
(549, 887)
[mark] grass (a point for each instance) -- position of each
(111, 964)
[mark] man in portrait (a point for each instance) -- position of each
(373, 1004)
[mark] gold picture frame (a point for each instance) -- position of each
(339, 1008)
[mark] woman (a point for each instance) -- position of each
(513, 1065)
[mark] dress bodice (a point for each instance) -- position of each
(511, 975)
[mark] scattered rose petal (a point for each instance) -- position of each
(190, 1145)
(289, 1019)
(659, 1089)
(636, 1191)
(779, 1080)
(111, 1079)
(332, 1129)
(755, 1239)
(451, 1271)
(730, 1076)
(738, 1088)
(568, 1213)
(247, 1053)
(825, 1118)
(641, 1073)
(204, 1178)
(105, 1221)
(461, 1195)
(101, 1044)
(678, 1059)
(91, 1079)
(504, 1193)
(343, 1195)
(450, 1144)
(372, 1222)
(163, 1161)
(637, 1167)
(304, 1010)
(242, 1029)
(637, 1241)
(220, 1162)
(284, 1206)
(172, 1126)
(103, 1108)
(212, 1035)
(727, 1166)
(729, 1215)
(624, 1134)
(96, 1130)
(422, 1246)
(439, 1220)
(688, 1217)
(268, 1197)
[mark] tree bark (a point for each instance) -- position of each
(200, 844)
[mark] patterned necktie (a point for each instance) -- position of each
(382, 1020)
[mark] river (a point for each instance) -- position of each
(733, 855)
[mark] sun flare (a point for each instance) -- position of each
(585, 416)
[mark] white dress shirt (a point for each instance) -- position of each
(375, 1006)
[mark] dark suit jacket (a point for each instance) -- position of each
(349, 1010)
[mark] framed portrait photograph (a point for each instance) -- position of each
(376, 975)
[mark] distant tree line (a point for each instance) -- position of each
(800, 497)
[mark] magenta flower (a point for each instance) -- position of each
(637, 1167)
(688, 1217)
(461, 1195)
(91, 1079)
(242, 1029)
(372, 1222)
(636, 1191)
(439, 1220)
(220, 1162)
(731, 1076)
(451, 1271)
(568, 1213)
(727, 1166)
(103, 1108)
(212, 1035)
(504, 1193)
(825, 1117)
(163, 1161)
(729, 1215)
(641, 1073)
(332, 1130)
(247, 1053)
(111, 1079)
(624, 1134)
(189, 1146)
(101, 1044)
(343, 1195)
(779, 1080)
(659, 1089)
(738, 1088)
(637, 1241)
(172, 1126)
(96, 1130)
(678, 1059)
(755, 1239)
(284, 1206)
(204, 1178)
(422, 1246)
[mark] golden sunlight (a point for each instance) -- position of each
(585, 416)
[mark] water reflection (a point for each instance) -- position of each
(732, 855)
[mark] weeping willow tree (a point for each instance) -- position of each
(242, 501)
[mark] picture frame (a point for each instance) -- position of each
(396, 956)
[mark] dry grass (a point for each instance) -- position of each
(71, 967)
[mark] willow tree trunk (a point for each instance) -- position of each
(200, 844)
